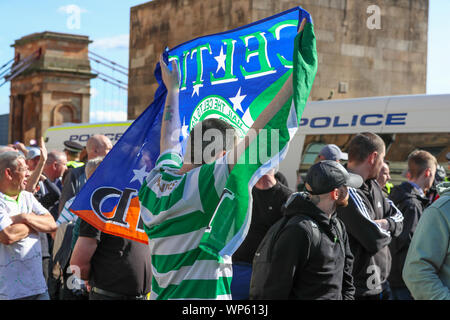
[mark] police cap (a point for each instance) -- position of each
(72, 146)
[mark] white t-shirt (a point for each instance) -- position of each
(21, 273)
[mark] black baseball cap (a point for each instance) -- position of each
(324, 176)
(72, 146)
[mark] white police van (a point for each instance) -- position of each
(405, 123)
(81, 132)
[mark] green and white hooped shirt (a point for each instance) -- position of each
(176, 209)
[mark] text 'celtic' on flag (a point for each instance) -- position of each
(233, 76)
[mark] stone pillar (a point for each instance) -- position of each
(54, 89)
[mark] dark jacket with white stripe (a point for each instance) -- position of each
(412, 203)
(368, 241)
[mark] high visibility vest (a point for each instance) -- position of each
(74, 164)
(389, 186)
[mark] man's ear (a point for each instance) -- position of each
(373, 157)
(334, 194)
(427, 172)
(8, 173)
(408, 175)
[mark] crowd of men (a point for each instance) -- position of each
(346, 234)
(343, 236)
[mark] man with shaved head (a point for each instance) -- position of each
(371, 219)
(97, 146)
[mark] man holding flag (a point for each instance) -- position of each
(197, 213)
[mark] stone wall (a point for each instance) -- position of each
(157, 24)
(354, 60)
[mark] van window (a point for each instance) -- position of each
(311, 152)
(401, 145)
(435, 150)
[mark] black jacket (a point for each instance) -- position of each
(72, 184)
(411, 203)
(300, 271)
(48, 195)
(369, 242)
(267, 205)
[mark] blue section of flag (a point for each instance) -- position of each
(260, 55)
(241, 92)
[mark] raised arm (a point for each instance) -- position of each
(171, 126)
(36, 174)
(268, 113)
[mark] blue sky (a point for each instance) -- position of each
(108, 22)
(105, 22)
(438, 65)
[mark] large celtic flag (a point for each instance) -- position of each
(233, 76)
(231, 220)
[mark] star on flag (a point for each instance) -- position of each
(237, 100)
(196, 89)
(220, 60)
(139, 175)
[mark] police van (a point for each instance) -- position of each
(81, 132)
(405, 123)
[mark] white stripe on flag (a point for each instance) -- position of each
(176, 244)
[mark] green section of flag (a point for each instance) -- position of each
(305, 67)
(231, 219)
(261, 101)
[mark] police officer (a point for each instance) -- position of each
(73, 150)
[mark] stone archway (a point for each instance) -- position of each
(63, 113)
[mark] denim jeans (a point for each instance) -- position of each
(386, 294)
(99, 296)
(240, 284)
(41, 296)
(401, 293)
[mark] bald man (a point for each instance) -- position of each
(74, 180)
(97, 146)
